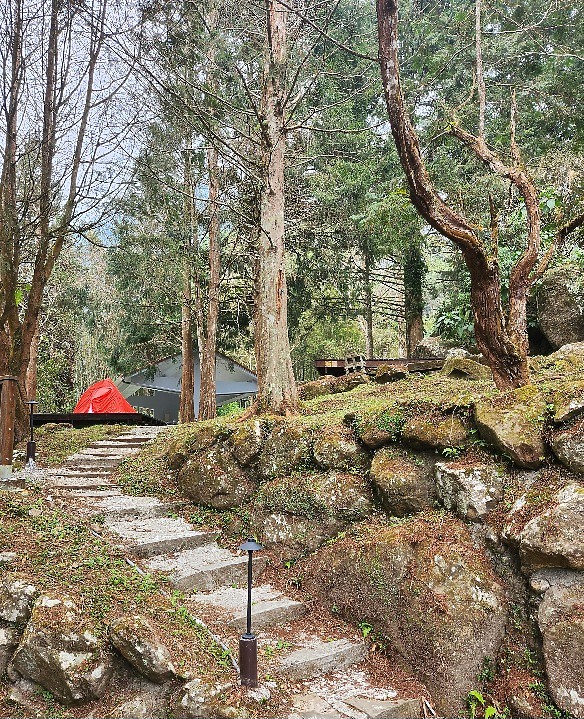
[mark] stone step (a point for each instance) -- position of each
(73, 472)
(86, 461)
(116, 444)
(269, 607)
(206, 568)
(107, 452)
(80, 483)
(393, 709)
(314, 706)
(320, 657)
(158, 535)
(123, 506)
(92, 493)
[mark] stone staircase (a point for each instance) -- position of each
(213, 581)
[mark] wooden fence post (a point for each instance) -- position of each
(7, 420)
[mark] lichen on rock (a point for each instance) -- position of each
(336, 448)
(470, 491)
(288, 447)
(139, 643)
(62, 651)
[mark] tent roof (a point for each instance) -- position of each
(103, 396)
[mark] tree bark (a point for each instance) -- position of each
(208, 388)
(277, 392)
(186, 411)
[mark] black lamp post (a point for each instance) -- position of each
(248, 646)
(31, 444)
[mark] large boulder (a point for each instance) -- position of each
(214, 479)
(555, 537)
(332, 494)
(336, 448)
(568, 446)
(138, 642)
(430, 348)
(513, 424)
(62, 651)
(561, 621)
(435, 432)
(16, 599)
(402, 483)
(560, 305)
(287, 448)
(426, 588)
(468, 491)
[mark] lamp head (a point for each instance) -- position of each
(250, 546)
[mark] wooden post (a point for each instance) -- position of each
(7, 419)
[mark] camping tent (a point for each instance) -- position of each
(102, 397)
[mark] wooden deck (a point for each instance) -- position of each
(86, 420)
(338, 367)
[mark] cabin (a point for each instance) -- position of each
(155, 391)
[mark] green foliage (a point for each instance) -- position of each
(391, 421)
(231, 408)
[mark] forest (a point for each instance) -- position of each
(282, 182)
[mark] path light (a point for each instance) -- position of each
(248, 646)
(31, 445)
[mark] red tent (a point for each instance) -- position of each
(102, 397)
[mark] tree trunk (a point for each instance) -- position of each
(208, 388)
(186, 412)
(32, 369)
(414, 270)
(501, 339)
(277, 392)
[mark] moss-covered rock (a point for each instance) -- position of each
(568, 446)
(391, 373)
(402, 483)
(561, 621)
(62, 651)
(378, 428)
(332, 494)
(555, 536)
(465, 368)
(425, 586)
(336, 448)
(513, 424)
(435, 432)
(214, 479)
(317, 388)
(247, 441)
(288, 447)
(193, 438)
